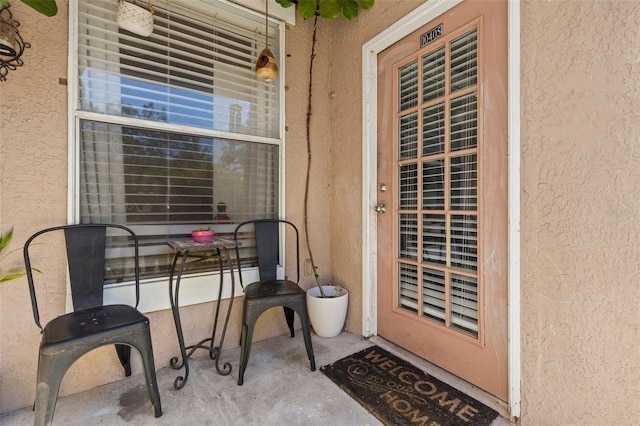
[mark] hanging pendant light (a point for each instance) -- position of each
(266, 66)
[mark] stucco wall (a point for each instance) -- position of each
(580, 204)
(33, 191)
(580, 115)
(347, 38)
(33, 166)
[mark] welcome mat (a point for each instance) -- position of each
(398, 393)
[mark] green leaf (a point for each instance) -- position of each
(284, 3)
(350, 9)
(307, 8)
(3, 2)
(6, 239)
(46, 7)
(366, 4)
(11, 276)
(330, 9)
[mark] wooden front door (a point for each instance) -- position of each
(442, 176)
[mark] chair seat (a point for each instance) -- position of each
(269, 288)
(90, 323)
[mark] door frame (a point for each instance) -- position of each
(416, 19)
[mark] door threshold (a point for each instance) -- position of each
(502, 407)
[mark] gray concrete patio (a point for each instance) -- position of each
(279, 389)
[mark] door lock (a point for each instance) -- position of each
(381, 207)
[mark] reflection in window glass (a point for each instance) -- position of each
(175, 132)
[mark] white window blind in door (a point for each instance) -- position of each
(438, 184)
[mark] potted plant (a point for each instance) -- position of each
(327, 304)
(13, 272)
(203, 235)
(327, 310)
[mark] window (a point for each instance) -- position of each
(438, 184)
(173, 131)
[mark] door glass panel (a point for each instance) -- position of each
(464, 61)
(408, 136)
(464, 122)
(408, 81)
(408, 291)
(433, 179)
(409, 186)
(464, 242)
(433, 131)
(464, 303)
(433, 75)
(433, 295)
(408, 236)
(434, 239)
(464, 182)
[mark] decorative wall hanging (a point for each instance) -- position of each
(134, 18)
(11, 44)
(266, 66)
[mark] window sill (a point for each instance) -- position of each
(194, 289)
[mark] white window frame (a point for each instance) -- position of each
(194, 288)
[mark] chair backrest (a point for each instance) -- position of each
(85, 252)
(267, 235)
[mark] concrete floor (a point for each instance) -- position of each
(279, 389)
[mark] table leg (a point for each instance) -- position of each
(227, 260)
(174, 298)
(214, 351)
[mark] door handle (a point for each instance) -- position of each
(381, 208)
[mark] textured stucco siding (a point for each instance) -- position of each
(580, 204)
(33, 195)
(580, 129)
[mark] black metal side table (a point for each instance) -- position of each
(197, 252)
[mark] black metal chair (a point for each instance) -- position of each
(270, 291)
(91, 324)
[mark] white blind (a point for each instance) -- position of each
(408, 81)
(408, 186)
(143, 176)
(464, 61)
(464, 122)
(440, 179)
(433, 130)
(408, 137)
(433, 75)
(196, 69)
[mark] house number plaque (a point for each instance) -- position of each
(431, 35)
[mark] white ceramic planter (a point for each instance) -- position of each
(327, 314)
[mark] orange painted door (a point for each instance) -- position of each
(442, 176)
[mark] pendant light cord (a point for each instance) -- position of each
(266, 24)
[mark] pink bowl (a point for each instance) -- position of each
(203, 237)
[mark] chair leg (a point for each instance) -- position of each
(51, 370)
(306, 332)
(146, 352)
(289, 316)
(124, 355)
(245, 350)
